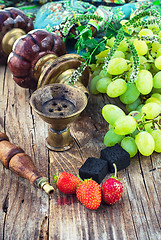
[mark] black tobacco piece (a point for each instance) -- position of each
(116, 154)
(94, 168)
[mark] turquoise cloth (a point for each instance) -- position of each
(52, 16)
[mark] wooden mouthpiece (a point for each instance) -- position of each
(21, 164)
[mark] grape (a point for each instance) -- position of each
(118, 54)
(124, 125)
(103, 73)
(144, 82)
(158, 52)
(132, 106)
(145, 143)
(154, 27)
(92, 86)
(116, 88)
(153, 99)
(141, 47)
(151, 110)
(130, 95)
(102, 54)
(123, 46)
(111, 113)
(157, 80)
(111, 138)
(139, 107)
(155, 46)
(143, 63)
(135, 114)
(157, 62)
(117, 66)
(102, 84)
(128, 143)
(156, 134)
(145, 32)
(156, 95)
(110, 42)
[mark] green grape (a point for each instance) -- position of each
(144, 82)
(118, 54)
(116, 88)
(111, 138)
(92, 85)
(117, 66)
(157, 62)
(132, 106)
(143, 63)
(139, 107)
(153, 99)
(156, 134)
(96, 72)
(159, 34)
(135, 114)
(102, 54)
(110, 42)
(154, 27)
(111, 113)
(125, 125)
(141, 47)
(102, 84)
(151, 110)
(123, 46)
(157, 80)
(103, 73)
(128, 55)
(156, 95)
(145, 143)
(155, 46)
(130, 95)
(128, 143)
(145, 32)
(158, 52)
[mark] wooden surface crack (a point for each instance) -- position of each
(142, 174)
(5, 210)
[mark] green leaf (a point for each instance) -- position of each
(91, 43)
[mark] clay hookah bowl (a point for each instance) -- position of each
(58, 105)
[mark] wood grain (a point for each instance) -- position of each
(28, 213)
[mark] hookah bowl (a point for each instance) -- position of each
(58, 105)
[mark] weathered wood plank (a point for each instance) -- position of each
(27, 211)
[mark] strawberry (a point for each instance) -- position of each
(112, 189)
(89, 194)
(66, 182)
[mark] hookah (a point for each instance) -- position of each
(38, 60)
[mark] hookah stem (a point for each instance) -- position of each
(15, 159)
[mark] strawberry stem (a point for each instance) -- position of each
(114, 165)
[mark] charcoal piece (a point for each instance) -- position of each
(94, 168)
(115, 154)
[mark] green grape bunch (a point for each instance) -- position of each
(137, 131)
(130, 69)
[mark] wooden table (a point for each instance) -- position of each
(27, 213)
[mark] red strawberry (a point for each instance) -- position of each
(112, 189)
(66, 183)
(89, 193)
